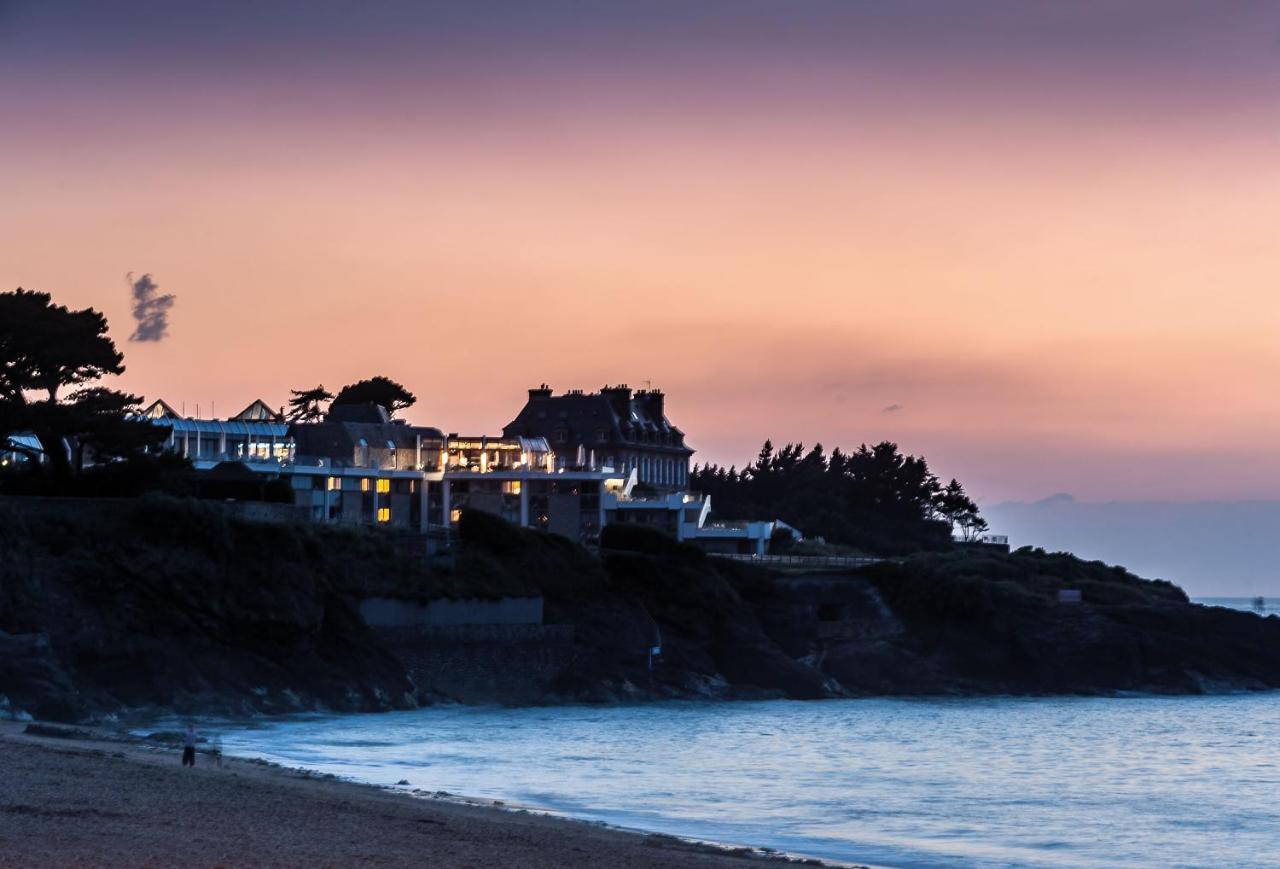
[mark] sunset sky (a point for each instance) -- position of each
(1036, 242)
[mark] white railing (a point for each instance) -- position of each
(802, 560)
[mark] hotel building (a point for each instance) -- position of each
(621, 461)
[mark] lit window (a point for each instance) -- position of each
(384, 514)
(454, 515)
(384, 486)
(364, 484)
(512, 487)
(335, 484)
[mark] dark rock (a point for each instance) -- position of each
(38, 729)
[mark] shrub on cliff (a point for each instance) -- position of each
(972, 585)
(650, 541)
(534, 561)
(172, 603)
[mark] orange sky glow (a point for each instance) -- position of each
(1060, 276)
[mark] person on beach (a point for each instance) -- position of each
(189, 746)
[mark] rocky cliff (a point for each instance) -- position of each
(155, 603)
(114, 605)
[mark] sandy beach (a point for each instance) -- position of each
(105, 802)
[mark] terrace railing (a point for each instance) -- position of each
(806, 561)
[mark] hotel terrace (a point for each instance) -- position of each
(619, 460)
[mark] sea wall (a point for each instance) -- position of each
(391, 612)
(481, 663)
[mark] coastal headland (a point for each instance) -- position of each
(93, 801)
(162, 604)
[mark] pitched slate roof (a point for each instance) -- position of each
(625, 417)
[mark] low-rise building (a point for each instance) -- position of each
(686, 516)
(255, 433)
(360, 467)
(520, 479)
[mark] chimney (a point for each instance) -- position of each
(655, 404)
(542, 391)
(619, 399)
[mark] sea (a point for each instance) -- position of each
(1129, 781)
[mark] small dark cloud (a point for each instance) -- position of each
(893, 408)
(1056, 498)
(150, 309)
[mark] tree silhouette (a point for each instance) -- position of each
(376, 390)
(876, 497)
(305, 404)
(955, 506)
(46, 348)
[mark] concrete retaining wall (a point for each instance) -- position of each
(389, 612)
(481, 663)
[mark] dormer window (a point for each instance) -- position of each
(602, 435)
(362, 453)
(392, 455)
(562, 435)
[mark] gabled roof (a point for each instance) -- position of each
(258, 411)
(159, 409)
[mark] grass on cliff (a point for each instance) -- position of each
(972, 585)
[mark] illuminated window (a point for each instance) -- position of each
(335, 484)
(384, 486)
(512, 487)
(364, 484)
(384, 514)
(454, 515)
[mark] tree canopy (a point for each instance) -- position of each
(376, 390)
(304, 406)
(875, 498)
(45, 349)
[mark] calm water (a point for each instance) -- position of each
(1140, 781)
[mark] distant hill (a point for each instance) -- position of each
(1208, 547)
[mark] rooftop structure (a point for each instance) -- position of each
(613, 429)
(364, 436)
(254, 434)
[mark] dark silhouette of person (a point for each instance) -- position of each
(189, 746)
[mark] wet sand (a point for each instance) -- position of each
(101, 802)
